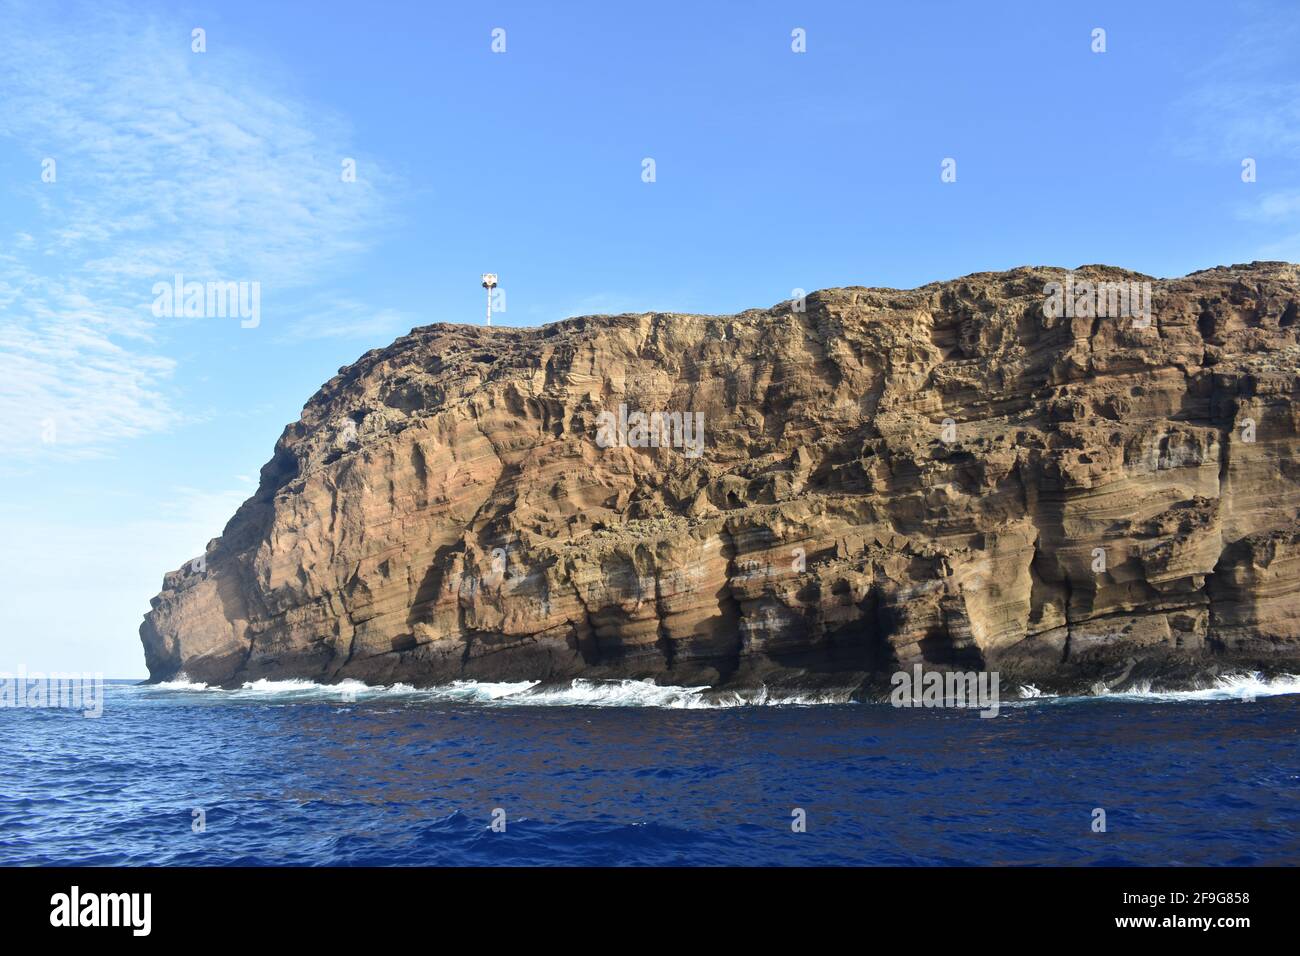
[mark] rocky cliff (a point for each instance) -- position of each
(974, 474)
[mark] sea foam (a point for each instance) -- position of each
(579, 692)
(1229, 687)
(582, 692)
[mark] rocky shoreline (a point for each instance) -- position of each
(1004, 472)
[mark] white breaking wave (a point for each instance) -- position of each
(644, 693)
(766, 698)
(355, 690)
(616, 693)
(487, 691)
(1231, 687)
(180, 683)
(582, 692)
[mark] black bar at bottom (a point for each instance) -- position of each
(943, 906)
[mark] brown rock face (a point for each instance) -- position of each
(963, 475)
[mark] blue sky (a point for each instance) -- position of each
(129, 439)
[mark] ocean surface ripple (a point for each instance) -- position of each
(620, 772)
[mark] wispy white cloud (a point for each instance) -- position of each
(1244, 100)
(1242, 118)
(1280, 206)
(335, 317)
(167, 162)
(1274, 211)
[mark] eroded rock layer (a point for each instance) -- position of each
(952, 475)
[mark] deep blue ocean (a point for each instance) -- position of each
(612, 774)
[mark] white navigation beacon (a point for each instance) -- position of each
(489, 283)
